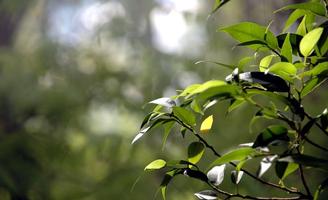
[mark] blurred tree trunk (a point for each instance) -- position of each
(11, 13)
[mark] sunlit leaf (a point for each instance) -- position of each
(216, 175)
(195, 152)
(206, 124)
(206, 195)
(270, 134)
(283, 169)
(234, 155)
(248, 31)
(309, 41)
(265, 62)
(189, 89)
(284, 69)
(207, 85)
(156, 164)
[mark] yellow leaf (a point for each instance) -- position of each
(206, 124)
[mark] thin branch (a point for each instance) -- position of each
(303, 178)
(230, 195)
(233, 164)
(315, 144)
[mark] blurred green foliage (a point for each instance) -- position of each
(69, 107)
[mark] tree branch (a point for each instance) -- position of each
(303, 178)
(233, 164)
(315, 144)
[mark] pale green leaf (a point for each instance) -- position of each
(309, 41)
(156, 164)
(265, 62)
(249, 31)
(284, 69)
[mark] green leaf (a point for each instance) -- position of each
(167, 130)
(156, 164)
(167, 179)
(248, 31)
(196, 107)
(321, 187)
(284, 69)
(189, 89)
(323, 42)
(306, 161)
(234, 155)
(309, 41)
(295, 15)
(244, 61)
(265, 62)
(314, 7)
(283, 169)
(184, 115)
(207, 85)
(270, 134)
(219, 91)
(287, 50)
(236, 103)
(301, 29)
(319, 69)
(195, 152)
(311, 85)
(294, 40)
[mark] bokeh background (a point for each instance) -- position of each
(75, 77)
